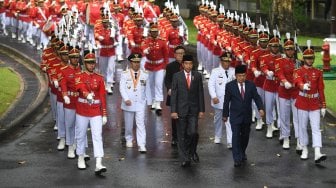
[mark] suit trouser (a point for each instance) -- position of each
(107, 68)
(187, 136)
(314, 118)
(60, 120)
(53, 102)
(96, 124)
(70, 119)
(286, 107)
(240, 139)
(199, 53)
(218, 122)
(156, 79)
(140, 126)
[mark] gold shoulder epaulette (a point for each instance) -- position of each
(62, 68)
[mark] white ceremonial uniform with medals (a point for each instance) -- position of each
(217, 81)
(137, 90)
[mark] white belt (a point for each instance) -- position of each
(156, 62)
(86, 101)
(172, 46)
(73, 94)
(315, 95)
(107, 46)
(273, 78)
(24, 15)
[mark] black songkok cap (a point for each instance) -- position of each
(240, 69)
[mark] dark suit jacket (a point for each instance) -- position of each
(171, 69)
(187, 102)
(238, 109)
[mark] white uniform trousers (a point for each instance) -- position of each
(53, 102)
(215, 61)
(70, 118)
(14, 25)
(314, 118)
(156, 84)
(261, 93)
(30, 31)
(286, 107)
(270, 103)
(199, 54)
(60, 120)
(23, 27)
(119, 47)
(96, 124)
(276, 111)
(218, 122)
(3, 21)
(140, 126)
(107, 68)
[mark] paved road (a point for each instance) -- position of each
(30, 158)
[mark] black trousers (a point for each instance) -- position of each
(187, 136)
(174, 129)
(240, 139)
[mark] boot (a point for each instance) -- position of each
(153, 105)
(269, 133)
(304, 155)
(99, 167)
(259, 124)
(285, 144)
(61, 144)
(274, 127)
(5, 32)
(39, 47)
(13, 35)
(81, 163)
(199, 68)
(71, 152)
(319, 156)
(158, 108)
(86, 157)
(298, 147)
(24, 40)
(253, 115)
(55, 127)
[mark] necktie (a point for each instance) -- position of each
(227, 76)
(135, 75)
(242, 92)
(188, 80)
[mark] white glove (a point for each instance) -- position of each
(270, 74)
(215, 43)
(104, 120)
(98, 46)
(37, 26)
(100, 38)
(146, 51)
(185, 43)
(44, 69)
(257, 73)
(56, 84)
(66, 100)
(323, 112)
(132, 44)
(240, 57)
(89, 96)
(288, 85)
(228, 49)
(306, 86)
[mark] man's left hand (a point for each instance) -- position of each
(201, 115)
(262, 113)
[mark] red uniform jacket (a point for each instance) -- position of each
(157, 58)
(174, 39)
(255, 65)
(284, 70)
(267, 63)
(67, 85)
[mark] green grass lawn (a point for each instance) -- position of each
(10, 87)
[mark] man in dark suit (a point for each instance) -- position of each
(187, 105)
(239, 94)
(171, 69)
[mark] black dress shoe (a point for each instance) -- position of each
(195, 158)
(237, 164)
(158, 112)
(185, 163)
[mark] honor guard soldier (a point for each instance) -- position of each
(267, 65)
(90, 109)
(218, 79)
(284, 69)
(107, 56)
(136, 95)
(174, 37)
(311, 104)
(151, 11)
(70, 97)
(156, 51)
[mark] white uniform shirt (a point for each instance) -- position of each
(139, 95)
(217, 82)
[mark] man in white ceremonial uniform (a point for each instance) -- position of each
(218, 79)
(135, 93)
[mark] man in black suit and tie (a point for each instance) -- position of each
(187, 105)
(239, 94)
(171, 69)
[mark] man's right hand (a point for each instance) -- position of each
(215, 100)
(174, 115)
(225, 119)
(169, 92)
(128, 103)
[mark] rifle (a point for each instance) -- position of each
(298, 63)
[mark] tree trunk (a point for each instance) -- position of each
(282, 15)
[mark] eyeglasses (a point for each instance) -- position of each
(180, 53)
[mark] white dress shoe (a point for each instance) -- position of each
(285, 144)
(269, 133)
(61, 144)
(274, 127)
(99, 166)
(81, 163)
(229, 145)
(142, 149)
(304, 155)
(259, 124)
(217, 140)
(319, 156)
(129, 144)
